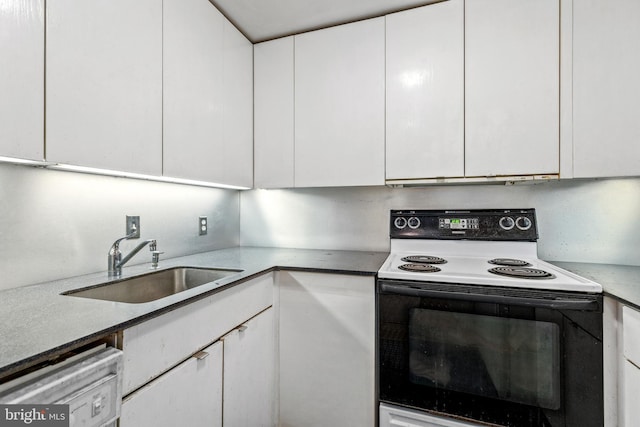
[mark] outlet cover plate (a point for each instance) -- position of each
(133, 224)
(203, 225)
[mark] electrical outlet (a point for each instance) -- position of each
(203, 227)
(133, 225)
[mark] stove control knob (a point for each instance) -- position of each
(400, 222)
(413, 222)
(507, 223)
(523, 223)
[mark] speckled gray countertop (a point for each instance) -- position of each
(618, 281)
(37, 322)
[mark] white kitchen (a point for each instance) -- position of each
(202, 196)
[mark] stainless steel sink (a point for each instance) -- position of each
(153, 286)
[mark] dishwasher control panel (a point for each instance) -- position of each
(90, 387)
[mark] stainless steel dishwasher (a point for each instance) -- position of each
(88, 387)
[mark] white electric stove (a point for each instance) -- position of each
(491, 248)
(474, 330)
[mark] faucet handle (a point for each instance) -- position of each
(155, 258)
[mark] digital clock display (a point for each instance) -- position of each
(458, 223)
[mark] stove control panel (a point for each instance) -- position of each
(493, 224)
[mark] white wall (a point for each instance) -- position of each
(578, 220)
(59, 224)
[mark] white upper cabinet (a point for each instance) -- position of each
(511, 87)
(193, 88)
(273, 109)
(234, 162)
(22, 79)
(425, 92)
(104, 84)
(208, 96)
(340, 105)
(606, 88)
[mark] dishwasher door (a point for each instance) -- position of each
(89, 390)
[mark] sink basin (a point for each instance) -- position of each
(153, 286)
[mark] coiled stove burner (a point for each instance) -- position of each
(522, 272)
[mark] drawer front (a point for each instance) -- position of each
(153, 347)
(631, 331)
(188, 395)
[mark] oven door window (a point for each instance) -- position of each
(509, 359)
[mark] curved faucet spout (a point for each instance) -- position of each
(152, 247)
(116, 261)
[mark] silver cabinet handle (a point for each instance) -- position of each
(201, 355)
(242, 328)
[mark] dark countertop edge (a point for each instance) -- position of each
(622, 300)
(622, 291)
(38, 358)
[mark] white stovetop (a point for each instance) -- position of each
(467, 263)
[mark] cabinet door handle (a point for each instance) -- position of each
(242, 328)
(201, 355)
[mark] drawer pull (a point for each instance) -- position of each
(201, 355)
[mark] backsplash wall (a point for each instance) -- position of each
(57, 224)
(578, 220)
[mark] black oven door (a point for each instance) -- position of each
(506, 356)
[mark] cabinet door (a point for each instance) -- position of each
(175, 335)
(188, 395)
(606, 88)
(511, 87)
(339, 105)
(273, 104)
(249, 373)
(233, 163)
(22, 79)
(193, 89)
(208, 95)
(104, 84)
(425, 92)
(631, 391)
(327, 350)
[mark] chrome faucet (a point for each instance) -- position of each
(116, 261)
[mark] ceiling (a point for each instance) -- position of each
(262, 20)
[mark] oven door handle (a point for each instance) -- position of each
(586, 304)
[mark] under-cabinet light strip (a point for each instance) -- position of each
(108, 172)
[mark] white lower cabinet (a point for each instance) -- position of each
(303, 355)
(249, 373)
(327, 349)
(190, 394)
(630, 369)
(631, 392)
(234, 376)
(180, 366)
(621, 364)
